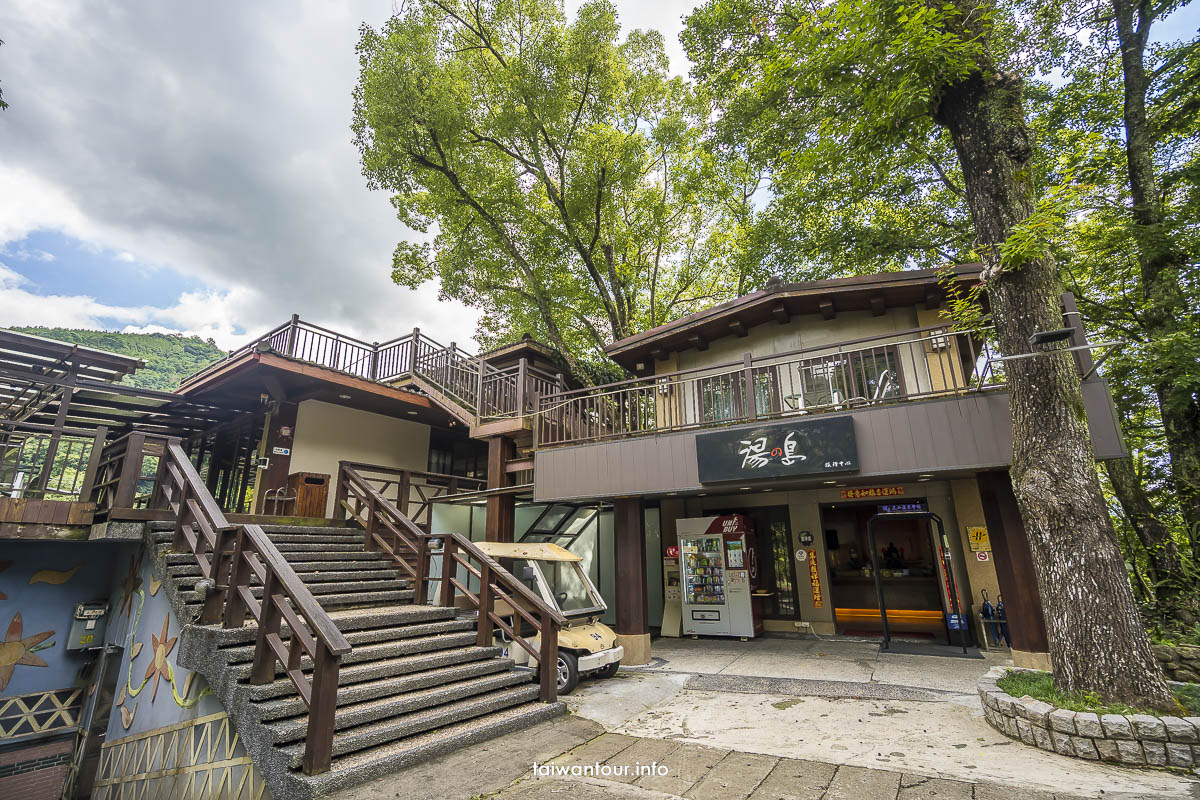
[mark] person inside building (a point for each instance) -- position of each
(892, 558)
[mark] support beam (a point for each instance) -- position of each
(738, 329)
(781, 314)
(878, 304)
(827, 310)
(697, 341)
(933, 297)
(1014, 570)
(282, 420)
(501, 508)
(629, 542)
(658, 354)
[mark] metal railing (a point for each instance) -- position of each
(47, 462)
(920, 363)
(411, 549)
(411, 491)
(481, 390)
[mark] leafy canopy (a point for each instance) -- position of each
(559, 169)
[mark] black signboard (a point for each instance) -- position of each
(803, 447)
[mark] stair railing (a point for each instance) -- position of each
(233, 561)
(411, 548)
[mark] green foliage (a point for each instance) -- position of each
(559, 169)
(1040, 686)
(169, 357)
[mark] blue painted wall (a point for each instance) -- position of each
(47, 606)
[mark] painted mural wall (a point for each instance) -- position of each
(168, 736)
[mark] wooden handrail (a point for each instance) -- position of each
(387, 528)
(234, 560)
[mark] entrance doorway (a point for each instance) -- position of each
(909, 573)
(775, 587)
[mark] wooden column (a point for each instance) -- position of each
(629, 542)
(501, 508)
(1014, 570)
(279, 466)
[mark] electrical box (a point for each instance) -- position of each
(87, 629)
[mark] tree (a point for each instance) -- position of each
(862, 76)
(561, 168)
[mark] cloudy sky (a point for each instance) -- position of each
(188, 167)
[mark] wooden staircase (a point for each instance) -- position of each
(415, 684)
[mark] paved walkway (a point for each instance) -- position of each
(831, 720)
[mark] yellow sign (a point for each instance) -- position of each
(814, 575)
(874, 491)
(977, 536)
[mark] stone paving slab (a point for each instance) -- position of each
(860, 783)
(686, 765)
(734, 777)
(795, 779)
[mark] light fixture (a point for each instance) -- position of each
(768, 490)
(343, 397)
(1050, 337)
(926, 475)
(830, 483)
(745, 488)
(922, 480)
(411, 413)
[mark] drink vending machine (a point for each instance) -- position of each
(717, 562)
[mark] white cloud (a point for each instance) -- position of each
(216, 145)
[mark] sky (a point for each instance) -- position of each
(188, 167)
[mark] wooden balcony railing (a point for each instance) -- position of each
(411, 491)
(412, 549)
(483, 390)
(919, 363)
(45, 462)
(234, 562)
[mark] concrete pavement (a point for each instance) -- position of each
(833, 720)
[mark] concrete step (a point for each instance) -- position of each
(351, 715)
(166, 525)
(366, 765)
(373, 652)
(296, 559)
(389, 730)
(388, 620)
(329, 601)
(369, 690)
(314, 570)
(373, 670)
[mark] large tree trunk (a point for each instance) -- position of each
(1172, 593)
(1160, 261)
(1097, 642)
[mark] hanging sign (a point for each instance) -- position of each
(894, 508)
(872, 492)
(977, 536)
(815, 446)
(814, 575)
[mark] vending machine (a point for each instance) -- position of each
(716, 561)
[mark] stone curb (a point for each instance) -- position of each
(1136, 740)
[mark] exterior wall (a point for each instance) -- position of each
(36, 771)
(327, 433)
(804, 515)
(982, 574)
(803, 332)
(970, 432)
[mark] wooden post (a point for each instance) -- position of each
(131, 470)
(446, 590)
(522, 388)
(548, 660)
(373, 370)
(479, 393)
(93, 465)
(421, 567)
(339, 493)
(403, 490)
(629, 543)
(750, 401)
(318, 744)
(239, 575)
(501, 508)
(486, 602)
(60, 421)
(369, 545)
(222, 562)
(413, 350)
(291, 337)
(263, 668)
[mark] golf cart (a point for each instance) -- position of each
(586, 646)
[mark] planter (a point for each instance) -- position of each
(1136, 740)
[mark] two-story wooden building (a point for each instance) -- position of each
(810, 408)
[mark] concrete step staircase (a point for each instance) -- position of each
(414, 686)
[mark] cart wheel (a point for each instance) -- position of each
(608, 670)
(568, 672)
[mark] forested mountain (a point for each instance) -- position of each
(169, 357)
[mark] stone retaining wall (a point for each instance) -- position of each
(1180, 663)
(1134, 739)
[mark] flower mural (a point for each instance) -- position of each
(159, 666)
(17, 651)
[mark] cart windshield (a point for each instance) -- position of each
(571, 590)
